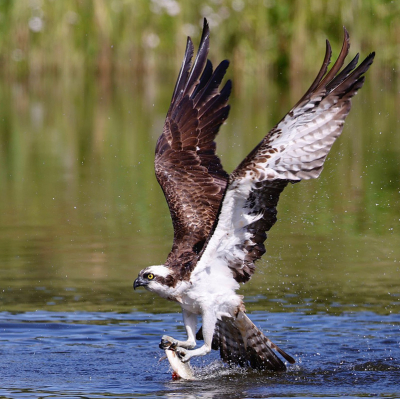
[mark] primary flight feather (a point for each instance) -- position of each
(220, 221)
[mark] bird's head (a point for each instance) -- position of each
(154, 278)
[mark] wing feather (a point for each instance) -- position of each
(295, 149)
(187, 168)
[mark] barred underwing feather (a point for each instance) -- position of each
(295, 149)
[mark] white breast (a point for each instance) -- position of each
(212, 287)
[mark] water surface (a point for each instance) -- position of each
(84, 354)
(81, 214)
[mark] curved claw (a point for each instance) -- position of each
(167, 343)
(183, 354)
(164, 345)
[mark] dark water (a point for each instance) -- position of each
(81, 214)
(98, 355)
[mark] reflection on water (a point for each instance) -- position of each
(81, 213)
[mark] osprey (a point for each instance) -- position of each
(220, 221)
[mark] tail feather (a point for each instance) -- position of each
(240, 342)
(230, 343)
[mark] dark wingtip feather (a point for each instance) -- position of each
(211, 87)
(184, 71)
(371, 56)
(227, 89)
(342, 75)
(363, 67)
(224, 64)
(185, 79)
(206, 29)
(334, 78)
(321, 73)
(200, 61)
(339, 61)
(346, 35)
(205, 77)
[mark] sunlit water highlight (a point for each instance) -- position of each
(83, 354)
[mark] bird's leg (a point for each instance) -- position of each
(209, 322)
(190, 321)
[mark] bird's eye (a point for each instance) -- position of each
(150, 276)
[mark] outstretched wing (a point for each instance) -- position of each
(293, 150)
(187, 169)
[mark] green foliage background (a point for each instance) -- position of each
(120, 38)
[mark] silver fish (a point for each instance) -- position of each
(180, 369)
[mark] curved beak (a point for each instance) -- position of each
(139, 282)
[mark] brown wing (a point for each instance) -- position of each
(293, 150)
(187, 169)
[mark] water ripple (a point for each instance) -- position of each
(93, 354)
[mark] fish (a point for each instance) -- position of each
(180, 370)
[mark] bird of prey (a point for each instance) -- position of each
(220, 221)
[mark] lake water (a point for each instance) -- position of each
(81, 213)
(98, 355)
